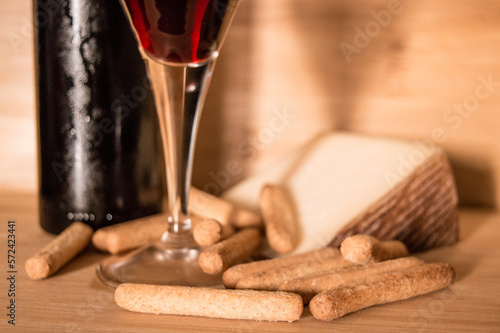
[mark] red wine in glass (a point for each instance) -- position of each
(181, 31)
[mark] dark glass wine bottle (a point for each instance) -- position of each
(99, 153)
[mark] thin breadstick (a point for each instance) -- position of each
(279, 219)
(208, 232)
(209, 206)
(234, 274)
(59, 251)
(217, 258)
(308, 287)
(130, 235)
(206, 302)
(242, 218)
(380, 289)
(364, 249)
(273, 278)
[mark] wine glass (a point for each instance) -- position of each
(179, 41)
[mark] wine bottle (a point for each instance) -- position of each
(99, 153)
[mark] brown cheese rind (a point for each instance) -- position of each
(420, 211)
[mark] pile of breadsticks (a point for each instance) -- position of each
(333, 282)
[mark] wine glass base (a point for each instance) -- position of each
(157, 264)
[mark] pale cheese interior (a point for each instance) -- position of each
(334, 179)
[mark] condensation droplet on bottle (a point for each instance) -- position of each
(109, 217)
(97, 112)
(65, 128)
(119, 202)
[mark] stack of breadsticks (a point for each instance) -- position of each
(334, 282)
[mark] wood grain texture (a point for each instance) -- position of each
(283, 78)
(17, 108)
(75, 299)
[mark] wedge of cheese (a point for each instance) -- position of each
(345, 184)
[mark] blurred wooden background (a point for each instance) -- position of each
(292, 69)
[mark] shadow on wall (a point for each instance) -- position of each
(345, 40)
(475, 174)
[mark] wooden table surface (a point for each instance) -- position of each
(74, 300)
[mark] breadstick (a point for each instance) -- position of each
(209, 232)
(242, 218)
(206, 205)
(363, 249)
(129, 235)
(380, 289)
(59, 251)
(217, 258)
(206, 302)
(279, 219)
(234, 274)
(273, 278)
(308, 287)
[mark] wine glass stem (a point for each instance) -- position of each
(179, 91)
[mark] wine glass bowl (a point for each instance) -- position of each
(179, 41)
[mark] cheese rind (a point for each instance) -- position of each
(345, 184)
